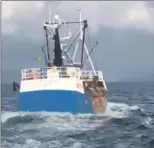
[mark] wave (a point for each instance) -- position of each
(114, 110)
(43, 129)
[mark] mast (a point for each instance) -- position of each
(47, 45)
(83, 41)
(52, 32)
(58, 61)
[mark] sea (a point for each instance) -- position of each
(127, 123)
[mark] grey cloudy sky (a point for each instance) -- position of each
(125, 30)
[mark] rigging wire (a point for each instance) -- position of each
(72, 44)
(74, 40)
(92, 49)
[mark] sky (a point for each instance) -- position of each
(125, 30)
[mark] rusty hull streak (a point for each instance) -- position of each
(99, 100)
(98, 94)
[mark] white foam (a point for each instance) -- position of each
(53, 124)
(116, 110)
(77, 145)
(147, 121)
(6, 115)
(135, 107)
(29, 143)
(32, 143)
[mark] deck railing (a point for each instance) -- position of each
(59, 72)
(91, 74)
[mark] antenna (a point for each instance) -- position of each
(80, 19)
(84, 46)
(49, 13)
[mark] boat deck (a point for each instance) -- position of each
(59, 72)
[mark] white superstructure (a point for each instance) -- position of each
(67, 78)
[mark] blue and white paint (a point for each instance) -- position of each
(54, 93)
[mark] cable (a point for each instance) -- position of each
(90, 52)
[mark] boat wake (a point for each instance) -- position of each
(43, 129)
(114, 110)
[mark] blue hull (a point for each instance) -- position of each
(55, 101)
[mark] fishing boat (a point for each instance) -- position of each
(63, 85)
